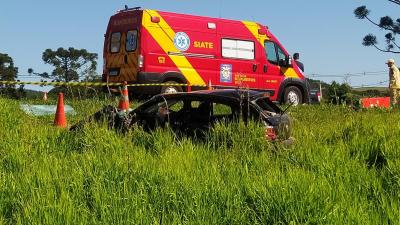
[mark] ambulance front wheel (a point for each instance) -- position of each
(170, 88)
(293, 96)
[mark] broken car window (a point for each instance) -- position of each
(221, 109)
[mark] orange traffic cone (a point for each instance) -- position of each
(45, 96)
(60, 120)
(210, 85)
(124, 100)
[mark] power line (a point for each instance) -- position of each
(372, 84)
(31, 76)
(346, 75)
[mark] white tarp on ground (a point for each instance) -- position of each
(43, 110)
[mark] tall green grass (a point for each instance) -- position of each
(343, 169)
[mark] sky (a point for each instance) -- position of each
(325, 33)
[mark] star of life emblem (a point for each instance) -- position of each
(181, 41)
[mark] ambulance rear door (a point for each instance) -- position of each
(122, 46)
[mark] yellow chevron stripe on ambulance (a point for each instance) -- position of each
(164, 36)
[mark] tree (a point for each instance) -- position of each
(70, 64)
(8, 72)
(386, 23)
(7, 69)
(338, 93)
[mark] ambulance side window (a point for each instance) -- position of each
(270, 51)
(115, 44)
(238, 49)
(131, 40)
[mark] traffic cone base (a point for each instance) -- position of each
(60, 120)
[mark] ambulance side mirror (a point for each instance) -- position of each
(288, 60)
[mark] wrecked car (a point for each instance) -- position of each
(195, 113)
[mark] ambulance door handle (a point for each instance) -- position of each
(254, 67)
(126, 59)
(265, 68)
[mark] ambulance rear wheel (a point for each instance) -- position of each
(293, 96)
(170, 88)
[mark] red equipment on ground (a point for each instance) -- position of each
(380, 102)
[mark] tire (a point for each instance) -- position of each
(170, 88)
(293, 96)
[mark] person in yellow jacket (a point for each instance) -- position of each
(394, 82)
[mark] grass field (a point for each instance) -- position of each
(343, 169)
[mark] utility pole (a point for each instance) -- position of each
(320, 90)
(336, 97)
(346, 78)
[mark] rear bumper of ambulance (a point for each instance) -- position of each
(147, 83)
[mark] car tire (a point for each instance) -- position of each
(170, 88)
(293, 96)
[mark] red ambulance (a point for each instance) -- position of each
(145, 46)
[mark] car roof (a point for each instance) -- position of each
(232, 96)
(228, 95)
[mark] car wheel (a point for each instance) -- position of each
(293, 96)
(169, 89)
